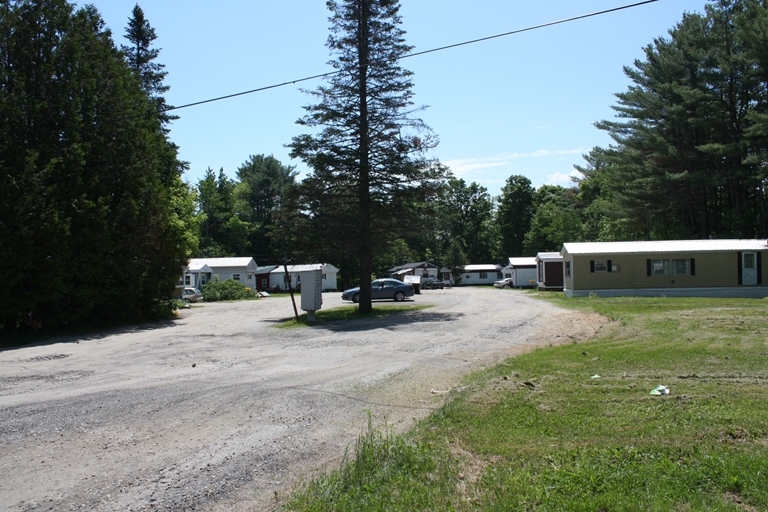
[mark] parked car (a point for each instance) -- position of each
(431, 284)
(504, 283)
(382, 289)
(191, 295)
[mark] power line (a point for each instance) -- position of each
(473, 41)
(535, 27)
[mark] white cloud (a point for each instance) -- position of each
(559, 178)
(462, 166)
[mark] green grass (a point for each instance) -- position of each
(388, 472)
(349, 313)
(539, 433)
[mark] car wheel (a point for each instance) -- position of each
(356, 298)
(399, 297)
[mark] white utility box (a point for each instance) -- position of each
(311, 292)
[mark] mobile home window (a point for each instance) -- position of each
(660, 267)
(483, 275)
(187, 280)
(680, 267)
(567, 269)
(601, 266)
(236, 277)
(675, 267)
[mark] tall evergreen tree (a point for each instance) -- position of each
(370, 176)
(90, 192)
(684, 162)
(263, 184)
(222, 232)
(141, 57)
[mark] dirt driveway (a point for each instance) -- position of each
(221, 411)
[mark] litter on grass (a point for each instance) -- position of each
(595, 376)
(660, 390)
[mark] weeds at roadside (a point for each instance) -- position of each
(387, 472)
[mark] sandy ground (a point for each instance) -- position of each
(221, 411)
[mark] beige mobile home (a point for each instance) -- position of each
(682, 268)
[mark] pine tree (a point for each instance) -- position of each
(141, 58)
(216, 202)
(264, 182)
(370, 178)
(686, 163)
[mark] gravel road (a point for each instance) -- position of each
(221, 411)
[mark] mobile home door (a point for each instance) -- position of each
(749, 269)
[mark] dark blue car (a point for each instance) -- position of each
(382, 289)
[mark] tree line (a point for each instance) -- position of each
(688, 160)
(96, 221)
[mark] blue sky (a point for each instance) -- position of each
(523, 104)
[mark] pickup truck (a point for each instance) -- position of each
(431, 284)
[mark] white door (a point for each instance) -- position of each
(749, 269)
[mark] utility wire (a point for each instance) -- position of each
(473, 41)
(535, 27)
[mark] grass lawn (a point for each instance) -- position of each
(575, 427)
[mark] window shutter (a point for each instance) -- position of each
(759, 268)
(610, 266)
(693, 266)
(648, 267)
(592, 265)
(738, 266)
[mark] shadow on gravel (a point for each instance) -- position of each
(393, 321)
(19, 342)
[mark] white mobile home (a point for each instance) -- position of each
(221, 269)
(195, 275)
(522, 271)
(423, 269)
(480, 274)
(279, 280)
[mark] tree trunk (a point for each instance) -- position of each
(364, 192)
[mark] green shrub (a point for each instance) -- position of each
(230, 289)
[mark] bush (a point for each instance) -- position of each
(226, 290)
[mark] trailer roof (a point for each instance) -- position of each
(663, 246)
